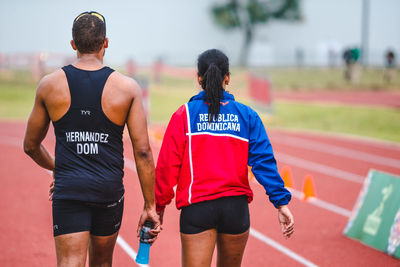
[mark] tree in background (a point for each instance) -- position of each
(246, 14)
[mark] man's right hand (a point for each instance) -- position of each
(150, 215)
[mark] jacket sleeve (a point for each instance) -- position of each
(170, 158)
(263, 163)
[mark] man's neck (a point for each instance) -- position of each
(89, 61)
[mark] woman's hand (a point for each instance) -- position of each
(161, 214)
(286, 221)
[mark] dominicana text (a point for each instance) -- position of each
(222, 122)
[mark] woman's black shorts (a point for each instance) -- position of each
(72, 216)
(229, 215)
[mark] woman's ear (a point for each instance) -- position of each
(227, 79)
(199, 79)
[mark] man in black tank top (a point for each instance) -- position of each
(89, 105)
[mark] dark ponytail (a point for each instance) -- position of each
(212, 66)
(212, 84)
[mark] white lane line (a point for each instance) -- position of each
(309, 165)
(339, 151)
(130, 164)
(322, 204)
(129, 250)
(283, 249)
(329, 206)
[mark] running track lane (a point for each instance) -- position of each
(314, 239)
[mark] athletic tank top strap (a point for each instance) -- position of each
(86, 86)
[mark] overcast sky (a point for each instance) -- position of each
(180, 29)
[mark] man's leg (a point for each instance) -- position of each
(231, 249)
(101, 250)
(197, 249)
(106, 222)
(71, 224)
(71, 249)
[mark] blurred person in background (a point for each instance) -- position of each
(390, 61)
(207, 147)
(89, 105)
(352, 71)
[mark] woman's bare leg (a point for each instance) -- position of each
(197, 249)
(231, 249)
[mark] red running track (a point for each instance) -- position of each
(318, 240)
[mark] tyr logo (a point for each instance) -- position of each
(85, 112)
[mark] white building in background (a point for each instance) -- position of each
(178, 30)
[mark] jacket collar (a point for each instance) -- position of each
(202, 96)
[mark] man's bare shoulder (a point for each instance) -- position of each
(124, 83)
(51, 81)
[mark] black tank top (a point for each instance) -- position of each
(89, 150)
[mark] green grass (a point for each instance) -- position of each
(17, 92)
(313, 79)
(165, 100)
(376, 122)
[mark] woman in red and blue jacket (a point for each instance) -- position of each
(207, 148)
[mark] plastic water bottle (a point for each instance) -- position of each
(144, 246)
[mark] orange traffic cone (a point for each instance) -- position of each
(309, 187)
(286, 174)
(251, 175)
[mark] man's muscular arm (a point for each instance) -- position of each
(36, 130)
(137, 126)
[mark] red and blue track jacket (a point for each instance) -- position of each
(208, 160)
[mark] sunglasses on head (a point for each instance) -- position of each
(92, 13)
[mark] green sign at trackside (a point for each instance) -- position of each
(375, 219)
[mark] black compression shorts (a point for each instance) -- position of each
(72, 216)
(229, 215)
